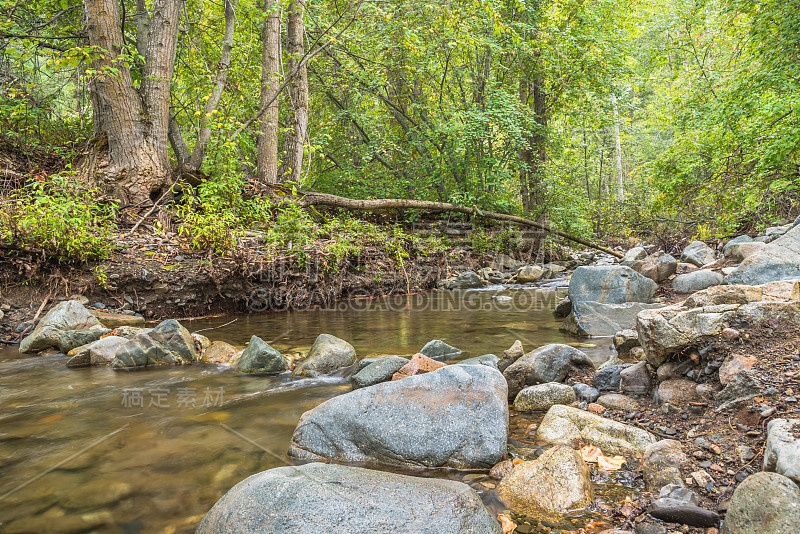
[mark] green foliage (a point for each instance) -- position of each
(60, 218)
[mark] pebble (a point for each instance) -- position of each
(767, 412)
(99, 305)
(791, 399)
(179, 258)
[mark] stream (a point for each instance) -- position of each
(98, 450)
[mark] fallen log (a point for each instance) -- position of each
(310, 198)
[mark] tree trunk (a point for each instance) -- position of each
(199, 151)
(267, 160)
(298, 95)
(308, 198)
(620, 178)
(135, 123)
(534, 156)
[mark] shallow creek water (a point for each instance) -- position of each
(98, 450)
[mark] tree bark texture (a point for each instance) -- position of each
(267, 159)
(295, 137)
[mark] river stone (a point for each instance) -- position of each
(543, 396)
(589, 319)
(782, 453)
(764, 503)
(419, 364)
(563, 308)
(741, 251)
(698, 253)
(260, 358)
(327, 354)
(551, 486)
(72, 339)
(529, 274)
(678, 392)
(635, 380)
(315, 498)
(662, 464)
(615, 401)
(676, 511)
(608, 378)
(585, 392)
(100, 352)
(736, 241)
(685, 268)
(510, 355)
(569, 426)
(465, 280)
(219, 352)
(780, 260)
(733, 365)
(174, 337)
(742, 388)
(702, 279)
(51, 330)
(113, 320)
(610, 284)
(658, 267)
(551, 363)
(439, 350)
(489, 360)
(381, 370)
(141, 351)
(633, 255)
(454, 417)
(625, 340)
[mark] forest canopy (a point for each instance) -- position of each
(601, 118)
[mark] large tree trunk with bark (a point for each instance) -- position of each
(295, 137)
(534, 156)
(267, 160)
(135, 123)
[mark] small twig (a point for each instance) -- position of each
(33, 321)
(146, 215)
(215, 327)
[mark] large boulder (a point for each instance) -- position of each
(260, 358)
(67, 326)
(314, 498)
(167, 343)
(465, 280)
(634, 255)
(115, 320)
(698, 253)
(529, 274)
(381, 370)
(780, 260)
(667, 331)
(610, 284)
(658, 267)
(782, 453)
(554, 484)
(741, 251)
(570, 426)
(327, 355)
(542, 396)
(696, 281)
(595, 319)
(454, 417)
(100, 352)
(551, 363)
(439, 350)
(765, 503)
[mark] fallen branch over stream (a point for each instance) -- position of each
(310, 198)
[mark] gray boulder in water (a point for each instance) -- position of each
(551, 363)
(610, 284)
(327, 354)
(380, 370)
(439, 350)
(167, 343)
(260, 358)
(67, 326)
(315, 498)
(456, 416)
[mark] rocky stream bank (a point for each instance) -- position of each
(696, 412)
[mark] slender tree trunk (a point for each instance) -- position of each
(267, 160)
(199, 151)
(534, 156)
(295, 137)
(620, 177)
(135, 123)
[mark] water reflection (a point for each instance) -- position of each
(195, 431)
